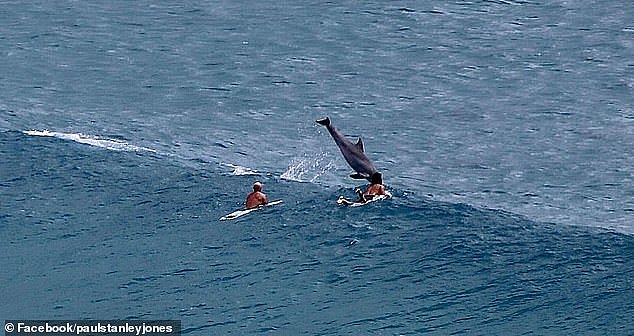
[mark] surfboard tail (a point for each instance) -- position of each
(325, 121)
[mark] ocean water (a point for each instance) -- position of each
(504, 129)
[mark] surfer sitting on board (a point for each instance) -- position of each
(374, 189)
(257, 197)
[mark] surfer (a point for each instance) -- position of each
(257, 197)
(375, 188)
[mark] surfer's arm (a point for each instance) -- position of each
(262, 199)
(382, 190)
(362, 196)
(344, 201)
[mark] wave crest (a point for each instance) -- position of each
(111, 144)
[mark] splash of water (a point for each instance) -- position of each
(308, 168)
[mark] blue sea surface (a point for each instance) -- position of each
(504, 129)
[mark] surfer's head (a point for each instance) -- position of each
(257, 186)
(377, 178)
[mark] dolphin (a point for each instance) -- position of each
(353, 153)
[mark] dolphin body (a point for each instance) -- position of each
(353, 153)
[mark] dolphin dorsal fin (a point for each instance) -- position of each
(359, 145)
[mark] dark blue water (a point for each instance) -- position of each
(503, 129)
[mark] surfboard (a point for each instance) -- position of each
(242, 212)
(345, 202)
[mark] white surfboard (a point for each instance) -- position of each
(343, 201)
(242, 212)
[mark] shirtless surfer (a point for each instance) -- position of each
(374, 189)
(257, 197)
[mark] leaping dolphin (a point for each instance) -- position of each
(353, 153)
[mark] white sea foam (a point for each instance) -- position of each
(111, 144)
(239, 170)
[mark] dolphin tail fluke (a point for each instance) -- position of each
(325, 121)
